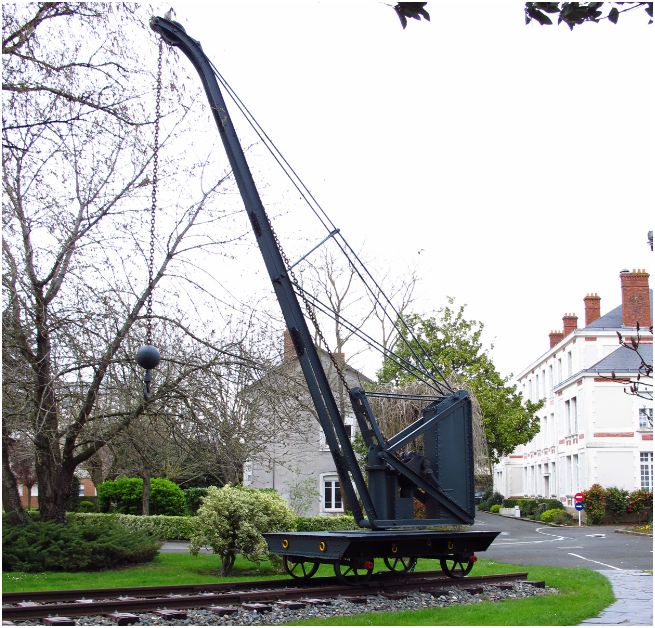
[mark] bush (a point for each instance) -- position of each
(510, 502)
(640, 501)
(86, 506)
(75, 546)
(595, 503)
(551, 504)
(193, 498)
(162, 527)
(495, 508)
(125, 495)
(231, 521)
(527, 506)
(616, 500)
(556, 515)
(326, 523)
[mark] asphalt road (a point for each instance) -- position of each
(596, 547)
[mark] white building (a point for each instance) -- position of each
(591, 430)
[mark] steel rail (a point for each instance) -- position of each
(237, 595)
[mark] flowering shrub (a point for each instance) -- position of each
(231, 521)
(595, 503)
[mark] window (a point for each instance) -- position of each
(332, 494)
(348, 422)
(559, 370)
(543, 383)
(550, 379)
(646, 418)
(81, 490)
(569, 364)
(646, 465)
(571, 409)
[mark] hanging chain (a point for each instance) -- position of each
(153, 206)
(310, 310)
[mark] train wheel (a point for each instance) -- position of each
(350, 572)
(400, 564)
(456, 567)
(299, 567)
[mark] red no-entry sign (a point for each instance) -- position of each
(579, 497)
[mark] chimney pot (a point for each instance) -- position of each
(555, 338)
(591, 308)
(635, 302)
(570, 322)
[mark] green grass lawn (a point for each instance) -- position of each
(582, 593)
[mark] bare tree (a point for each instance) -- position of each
(77, 136)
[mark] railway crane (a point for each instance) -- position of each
(382, 499)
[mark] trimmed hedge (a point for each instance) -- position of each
(181, 528)
(162, 527)
(326, 523)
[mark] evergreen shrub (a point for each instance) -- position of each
(616, 500)
(125, 495)
(86, 506)
(193, 498)
(556, 515)
(495, 508)
(74, 546)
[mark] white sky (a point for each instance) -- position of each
(516, 159)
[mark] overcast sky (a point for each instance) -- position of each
(510, 165)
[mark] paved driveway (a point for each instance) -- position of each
(595, 547)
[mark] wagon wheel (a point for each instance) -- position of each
(400, 564)
(299, 567)
(350, 572)
(456, 567)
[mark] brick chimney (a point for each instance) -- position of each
(289, 350)
(570, 322)
(555, 337)
(591, 308)
(635, 298)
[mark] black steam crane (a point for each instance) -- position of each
(440, 477)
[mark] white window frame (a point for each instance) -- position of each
(333, 480)
(645, 414)
(349, 421)
(646, 469)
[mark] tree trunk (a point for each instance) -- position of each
(145, 507)
(10, 498)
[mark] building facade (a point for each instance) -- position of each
(591, 430)
(299, 465)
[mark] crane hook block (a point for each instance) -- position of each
(148, 357)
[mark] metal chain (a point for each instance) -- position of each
(153, 206)
(310, 310)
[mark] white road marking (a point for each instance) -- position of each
(572, 547)
(595, 561)
(600, 536)
(556, 537)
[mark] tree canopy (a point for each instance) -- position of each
(455, 347)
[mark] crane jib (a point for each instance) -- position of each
(440, 475)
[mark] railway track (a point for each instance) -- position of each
(121, 605)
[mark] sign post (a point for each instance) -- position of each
(579, 506)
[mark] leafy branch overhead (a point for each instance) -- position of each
(414, 10)
(575, 13)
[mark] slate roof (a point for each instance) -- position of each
(614, 318)
(623, 360)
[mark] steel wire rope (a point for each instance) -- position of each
(289, 171)
(330, 227)
(372, 343)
